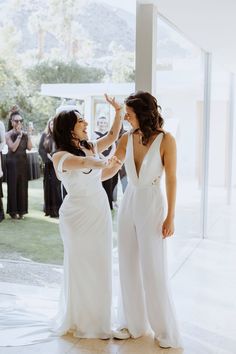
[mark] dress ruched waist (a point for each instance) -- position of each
(84, 193)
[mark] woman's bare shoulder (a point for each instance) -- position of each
(168, 137)
(122, 142)
(57, 155)
(168, 141)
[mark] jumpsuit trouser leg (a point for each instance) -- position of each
(160, 309)
(130, 276)
(143, 268)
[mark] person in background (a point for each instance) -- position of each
(102, 130)
(51, 185)
(2, 143)
(18, 142)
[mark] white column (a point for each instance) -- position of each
(231, 138)
(146, 44)
(206, 136)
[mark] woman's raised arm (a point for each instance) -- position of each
(113, 134)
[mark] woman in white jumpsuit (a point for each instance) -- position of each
(143, 223)
(85, 227)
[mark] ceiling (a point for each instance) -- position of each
(210, 24)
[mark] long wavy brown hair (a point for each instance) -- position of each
(147, 112)
(63, 125)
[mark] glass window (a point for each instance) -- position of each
(218, 152)
(180, 93)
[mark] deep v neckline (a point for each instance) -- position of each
(145, 156)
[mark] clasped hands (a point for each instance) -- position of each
(113, 162)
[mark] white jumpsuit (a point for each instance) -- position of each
(142, 251)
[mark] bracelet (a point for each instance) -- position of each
(118, 109)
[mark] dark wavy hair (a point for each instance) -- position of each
(63, 125)
(147, 112)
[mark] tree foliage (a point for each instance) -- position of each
(12, 91)
(63, 41)
(23, 88)
(59, 72)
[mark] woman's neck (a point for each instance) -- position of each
(76, 143)
(139, 133)
(79, 144)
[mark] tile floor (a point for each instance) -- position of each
(203, 284)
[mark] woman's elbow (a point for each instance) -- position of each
(113, 137)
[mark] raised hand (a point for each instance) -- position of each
(113, 102)
(19, 130)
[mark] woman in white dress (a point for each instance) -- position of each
(85, 227)
(144, 224)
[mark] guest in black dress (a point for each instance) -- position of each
(51, 185)
(16, 166)
(2, 143)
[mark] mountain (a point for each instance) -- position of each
(101, 23)
(104, 25)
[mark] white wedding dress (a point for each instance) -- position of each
(86, 230)
(85, 302)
